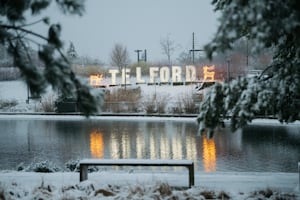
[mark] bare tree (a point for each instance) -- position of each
(184, 58)
(119, 56)
(168, 47)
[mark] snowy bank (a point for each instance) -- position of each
(147, 185)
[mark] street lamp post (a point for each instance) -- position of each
(125, 76)
(138, 54)
(193, 50)
(228, 69)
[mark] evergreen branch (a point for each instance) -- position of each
(26, 50)
(32, 41)
(33, 23)
(264, 71)
(34, 34)
(23, 30)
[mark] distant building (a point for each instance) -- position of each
(71, 52)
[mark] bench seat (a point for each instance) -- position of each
(135, 162)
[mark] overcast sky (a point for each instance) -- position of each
(138, 24)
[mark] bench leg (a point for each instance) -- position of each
(83, 172)
(191, 175)
(299, 176)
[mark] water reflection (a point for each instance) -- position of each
(157, 141)
(254, 148)
(96, 144)
(114, 146)
(209, 154)
(140, 146)
(191, 147)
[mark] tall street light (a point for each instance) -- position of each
(138, 54)
(193, 50)
(228, 69)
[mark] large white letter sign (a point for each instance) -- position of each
(125, 76)
(139, 75)
(113, 73)
(176, 74)
(164, 74)
(153, 72)
(190, 73)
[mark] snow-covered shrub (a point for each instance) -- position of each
(20, 167)
(43, 191)
(44, 166)
(73, 165)
(4, 104)
(12, 191)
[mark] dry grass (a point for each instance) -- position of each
(164, 189)
(48, 103)
(157, 191)
(269, 193)
(185, 104)
(150, 104)
(122, 100)
(162, 102)
(208, 194)
(188, 103)
(156, 104)
(104, 192)
(223, 195)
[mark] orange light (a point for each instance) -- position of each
(209, 154)
(96, 144)
(95, 80)
(209, 73)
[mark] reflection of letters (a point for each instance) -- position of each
(96, 144)
(209, 73)
(209, 154)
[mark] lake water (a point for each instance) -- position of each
(261, 147)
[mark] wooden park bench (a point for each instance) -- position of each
(136, 162)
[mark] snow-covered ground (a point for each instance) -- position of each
(17, 91)
(147, 185)
(134, 184)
